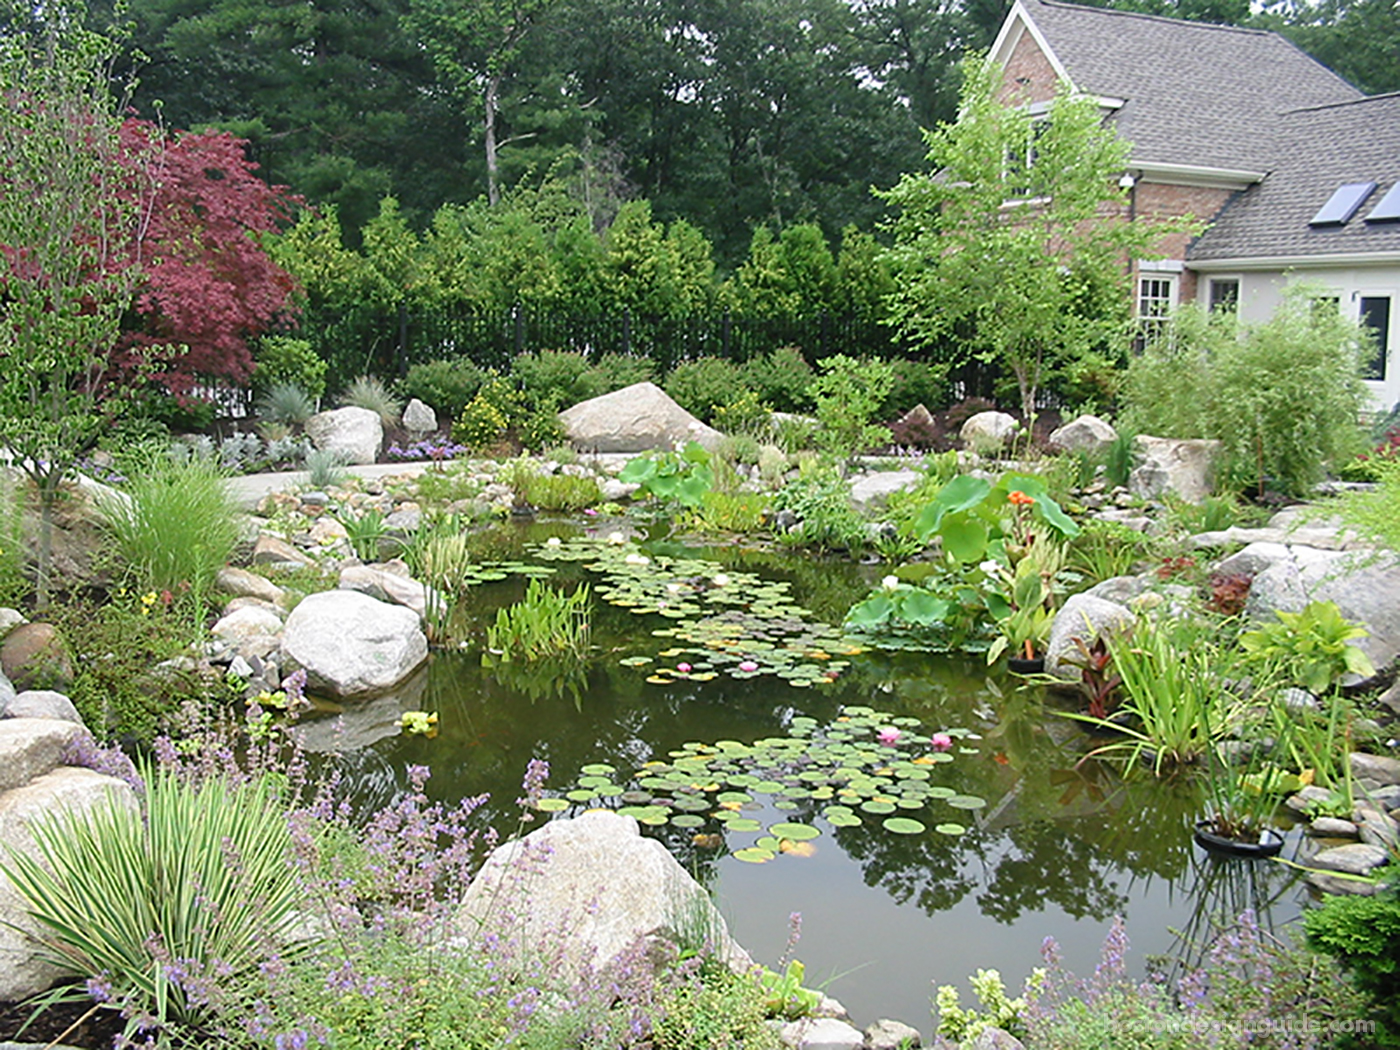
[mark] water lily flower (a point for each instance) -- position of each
(720, 580)
(941, 741)
(683, 668)
(616, 538)
(890, 582)
(748, 666)
(888, 735)
(637, 559)
(553, 541)
(674, 588)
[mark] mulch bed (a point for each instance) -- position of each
(96, 1032)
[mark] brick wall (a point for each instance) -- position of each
(1163, 200)
(1028, 75)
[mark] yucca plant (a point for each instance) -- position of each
(164, 911)
(371, 393)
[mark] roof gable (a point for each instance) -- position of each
(1193, 93)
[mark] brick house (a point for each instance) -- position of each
(1297, 171)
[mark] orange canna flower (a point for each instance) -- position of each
(1020, 499)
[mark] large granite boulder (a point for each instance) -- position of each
(356, 433)
(1173, 467)
(874, 490)
(1085, 617)
(1363, 584)
(34, 784)
(989, 431)
(637, 418)
(384, 583)
(352, 645)
(1088, 434)
(35, 656)
(419, 419)
(598, 884)
(240, 583)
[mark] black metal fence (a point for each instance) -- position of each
(363, 340)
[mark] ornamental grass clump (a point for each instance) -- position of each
(546, 622)
(175, 529)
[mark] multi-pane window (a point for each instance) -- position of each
(1375, 317)
(1224, 295)
(1155, 298)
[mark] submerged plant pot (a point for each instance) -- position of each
(1020, 665)
(1268, 843)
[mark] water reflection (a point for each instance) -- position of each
(1061, 841)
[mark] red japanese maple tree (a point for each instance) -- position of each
(208, 284)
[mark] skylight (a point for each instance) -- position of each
(1388, 210)
(1342, 205)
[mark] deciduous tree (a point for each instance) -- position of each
(998, 243)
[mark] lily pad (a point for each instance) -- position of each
(796, 832)
(551, 805)
(967, 802)
(902, 825)
(754, 855)
(950, 829)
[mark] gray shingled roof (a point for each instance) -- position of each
(1321, 148)
(1196, 94)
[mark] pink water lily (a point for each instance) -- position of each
(888, 735)
(683, 668)
(941, 741)
(748, 666)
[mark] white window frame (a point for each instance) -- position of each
(1164, 300)
(1223, 279)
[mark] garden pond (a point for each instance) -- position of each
(925, 817)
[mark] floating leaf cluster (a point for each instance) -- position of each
(731, 622)
(865, 767)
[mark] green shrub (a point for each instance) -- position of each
(12, 584)
(1363, 934)
(540, 429)
(485, 420)
(371, 393)
(555, 378)
(821, 500)
(132, 901)
(914, 383)
(616, 371)
(445, 386)
(286, 404)
(743, 413)
(284, 359)
(720, 1010)
(177, 529)
(848, 394)
(781, 378)
(1283, 396)
(702, 386)
(1105, 549)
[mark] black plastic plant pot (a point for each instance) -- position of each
(1020, 665)
(1267, 844)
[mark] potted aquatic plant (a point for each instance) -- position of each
(1029, 583)
(1243, 800)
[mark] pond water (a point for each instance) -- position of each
(1058, 849)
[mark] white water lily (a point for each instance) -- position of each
(637, 559)
(617, 538)
(890, 582)
(720, 580)
(553, 541)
